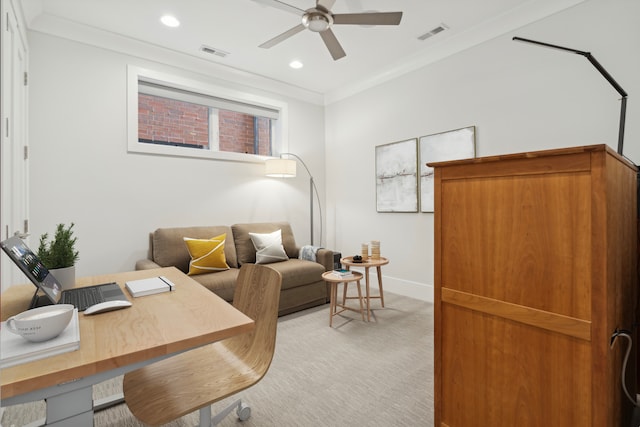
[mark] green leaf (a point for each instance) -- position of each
(60, 252)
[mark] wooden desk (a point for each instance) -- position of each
(113, 343)
(370, 262)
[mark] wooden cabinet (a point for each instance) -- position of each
(535, 269)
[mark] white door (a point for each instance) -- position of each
(14, 189)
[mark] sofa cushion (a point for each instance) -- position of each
(207, 255)
(168, 247)
(222, 283)
(298, 272)
(245, 250)
(268, 247)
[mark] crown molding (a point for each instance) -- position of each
(81, 33)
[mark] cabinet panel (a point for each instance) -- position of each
(524, 240)
(535, 270)
(494, 373)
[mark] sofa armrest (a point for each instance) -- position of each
(146, 264)
(325, 257)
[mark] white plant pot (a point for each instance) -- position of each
(65, 276)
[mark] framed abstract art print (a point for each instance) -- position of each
(397, 177)
(452, 145)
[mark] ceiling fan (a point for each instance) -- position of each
(320, 19)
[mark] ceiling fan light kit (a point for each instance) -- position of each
(317, 21)
(320, 19)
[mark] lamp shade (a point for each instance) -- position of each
(280, 168)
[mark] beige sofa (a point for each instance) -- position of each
(302, 284)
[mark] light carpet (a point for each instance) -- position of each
(377, 373)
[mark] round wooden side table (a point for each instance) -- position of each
(366, 264)
(334, 280)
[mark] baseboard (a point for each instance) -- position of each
(421, 291)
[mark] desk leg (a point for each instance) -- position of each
(108, 402)
(71, 404)
(72, 409)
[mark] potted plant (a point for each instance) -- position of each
(59, 255)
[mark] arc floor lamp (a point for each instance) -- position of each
(286, 168)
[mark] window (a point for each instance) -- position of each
(180, 117)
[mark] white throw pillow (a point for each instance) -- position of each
(268, 247)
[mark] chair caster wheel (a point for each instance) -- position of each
(243, 411)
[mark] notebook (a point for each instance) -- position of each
(150, 286)
(52, 292)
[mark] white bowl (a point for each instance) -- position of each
(42, 323)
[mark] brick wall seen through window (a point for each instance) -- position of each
(172, 122)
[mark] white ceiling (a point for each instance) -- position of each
(240, 26)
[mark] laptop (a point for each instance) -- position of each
(51, 290)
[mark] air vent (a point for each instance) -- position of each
(213, 51)
(440, 28)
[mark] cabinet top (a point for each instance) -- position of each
(536, 154)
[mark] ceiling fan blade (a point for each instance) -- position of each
(332, 44)
(282, 6)
(371, 18)
(282, 37)
(325, 4)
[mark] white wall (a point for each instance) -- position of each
(520, 97)
(81, 170)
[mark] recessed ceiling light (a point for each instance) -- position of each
(296, 64)
(170, 21)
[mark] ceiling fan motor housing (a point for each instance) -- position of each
(317, 20)
(320, 19)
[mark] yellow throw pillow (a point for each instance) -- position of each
(207, 255)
